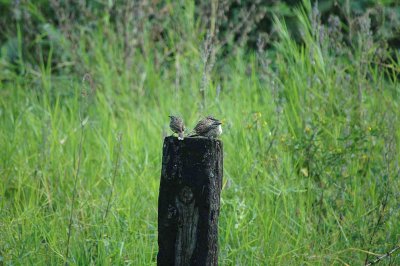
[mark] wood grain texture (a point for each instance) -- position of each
(189, 201)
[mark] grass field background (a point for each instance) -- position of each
(311, 146)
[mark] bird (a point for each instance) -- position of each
(177, 126)
(208, 127)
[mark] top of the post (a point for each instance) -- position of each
(192, 140)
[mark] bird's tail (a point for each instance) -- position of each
(180, 135)
(192, 133)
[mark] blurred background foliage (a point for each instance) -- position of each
(54, 27)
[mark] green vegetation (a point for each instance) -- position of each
(311, 138)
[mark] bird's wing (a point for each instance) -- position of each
(201, 127)
(175, 127)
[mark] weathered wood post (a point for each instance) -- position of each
(189, 201)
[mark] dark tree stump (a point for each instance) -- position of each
(189, 201)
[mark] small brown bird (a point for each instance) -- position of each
(208, 127)
(177, 126)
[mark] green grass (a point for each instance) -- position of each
(311, 174)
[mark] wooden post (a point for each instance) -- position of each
(189, 201)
